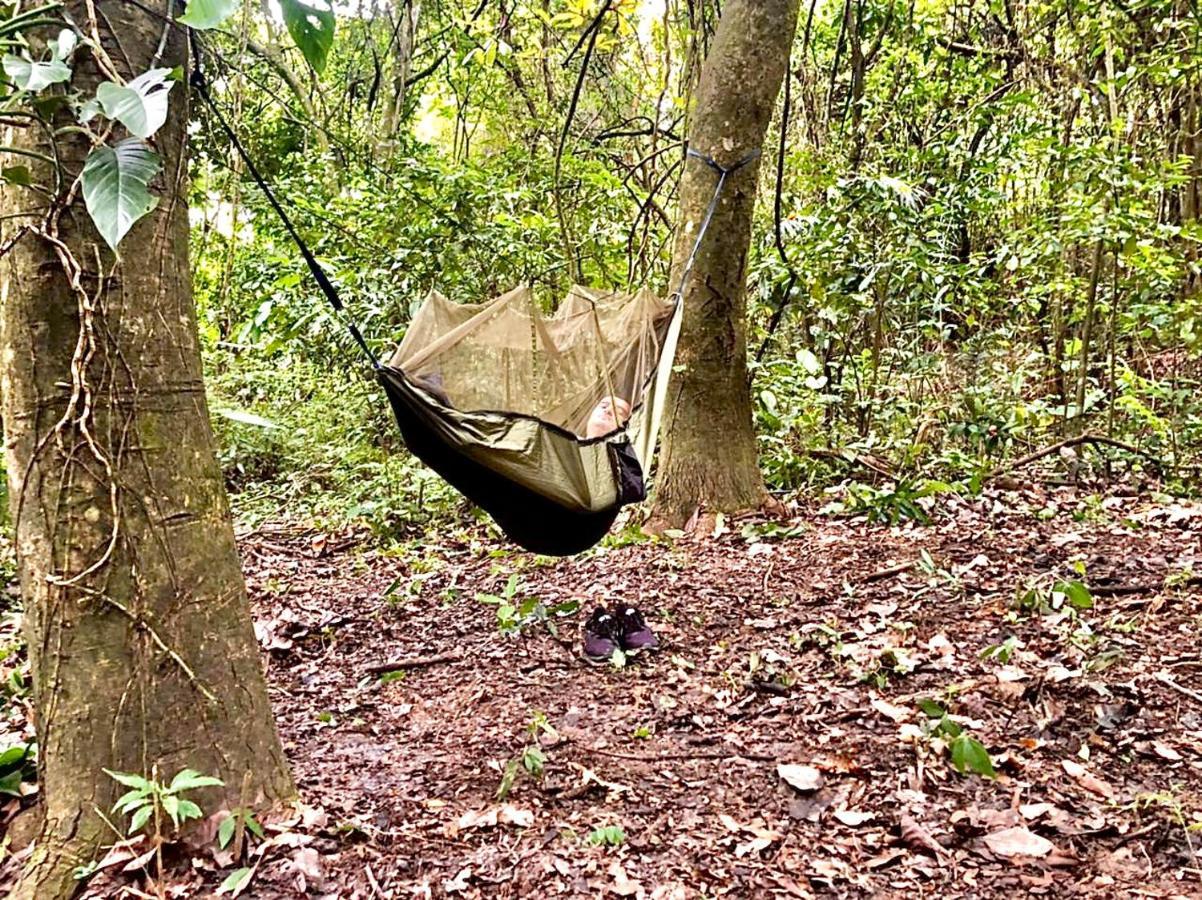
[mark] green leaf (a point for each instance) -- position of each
(130, 800)
(171, 807)
(931, 708)
(205, 14)
(10, 784)
(312, 29)
(190, 779)
(114, 187)
(237, 881)
(64, 45)
(253, 826)
(970, 755)
(1077, 594)
(141, 105)
(225, 831)
(34, 76)
(188, 810)
(17, 175)
(128, 780)
(247, 418)
(141, 817)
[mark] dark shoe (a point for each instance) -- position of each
(635, 635)
(602, 636)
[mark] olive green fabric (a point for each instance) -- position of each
(513, 388)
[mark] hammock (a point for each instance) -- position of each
(498, 398)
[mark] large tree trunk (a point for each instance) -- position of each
(709, 455)
(140, 640)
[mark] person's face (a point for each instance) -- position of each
(607, 416)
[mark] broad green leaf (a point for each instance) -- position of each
(1077, 594)
(970, 755)
(203, 14)
(127, 779)
(114, 191)
(236, 882)
(171, 807)
(931, 708)
(34, 76)
(141, 105)
(13, 755)
(140, 818)
(312, 28)
(190, 779)
(225, 831)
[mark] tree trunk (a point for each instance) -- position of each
(709, 455)
(140, 640)
(402, 62)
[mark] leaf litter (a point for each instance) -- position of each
(794, 737)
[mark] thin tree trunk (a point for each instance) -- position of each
(402, 62)
(709, 455)
(140, 638)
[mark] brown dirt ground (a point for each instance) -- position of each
(810, 645)
(811, 649)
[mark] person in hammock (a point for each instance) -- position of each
(433, 385)
(607, 417)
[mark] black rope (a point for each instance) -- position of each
(723, 173)
(199, 83)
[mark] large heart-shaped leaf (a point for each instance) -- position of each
(114, 187)
(204, 14)
(141, 105)
(34, 76)
(312, 27)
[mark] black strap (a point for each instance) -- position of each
(198, 81)
(723, 173)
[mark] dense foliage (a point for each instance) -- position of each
(979, 237)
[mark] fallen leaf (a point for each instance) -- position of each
(853, 817)
(918, 837)
(307, 864)
(889, 711)
(1018, 841)
(460, 882)
(1032, 811)
(623, 885)
(1090, 782)
(803, 778)
(491, 816)
(1164, 751)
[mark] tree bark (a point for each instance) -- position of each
(402, 62)
(709, 457)
(140, 640)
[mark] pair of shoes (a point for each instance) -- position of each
(623, 629)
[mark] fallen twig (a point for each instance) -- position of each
(882, 574)
(1074, 441)
(414, 662)
(1124, 590)
(681, 755)
(1167, 680)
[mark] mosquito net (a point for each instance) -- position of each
(597, 349)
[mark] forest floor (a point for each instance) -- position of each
(821, 646)
(787, 741)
